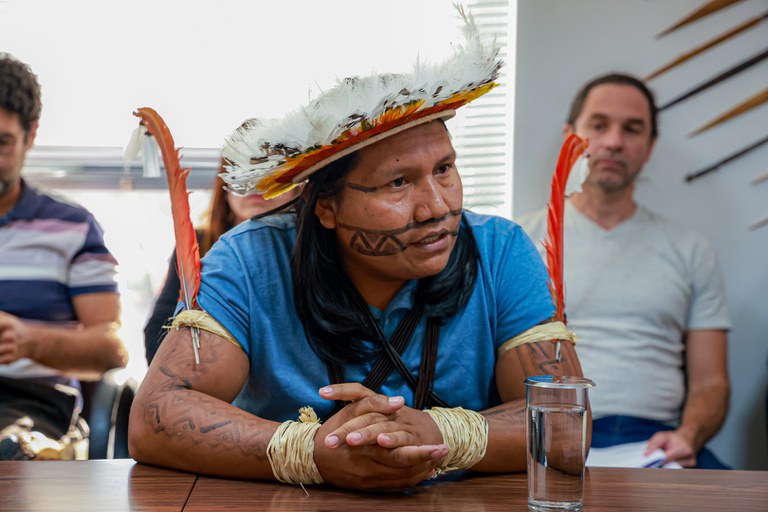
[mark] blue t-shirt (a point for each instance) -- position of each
(247, 287)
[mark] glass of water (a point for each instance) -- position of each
(556, 434)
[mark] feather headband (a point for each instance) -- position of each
(271, 157)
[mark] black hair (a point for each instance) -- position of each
(328, 304)
(19, 91)
(577, 105)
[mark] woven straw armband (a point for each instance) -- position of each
(291, 450)
(465, 433)
(551, 331)
(202, 321)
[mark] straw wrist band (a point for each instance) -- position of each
(550, 331)
(291, 450)
(465, 433)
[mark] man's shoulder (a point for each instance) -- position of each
(676, 232)
(49, 205)
(491, 227)
(534, 223)
(272, 231)
(274, 223)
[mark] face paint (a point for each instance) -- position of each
(373, 242)
(361, 188)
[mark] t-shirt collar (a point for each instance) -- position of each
(25, 207)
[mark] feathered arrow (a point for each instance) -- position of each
(187, 250)
(709, 8)
(709, 44)
(572, 148)
(738, 68)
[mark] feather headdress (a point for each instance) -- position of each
(271, 157)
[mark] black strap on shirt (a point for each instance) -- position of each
(390, 359)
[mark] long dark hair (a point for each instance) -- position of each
(331, 309)
(219, 217)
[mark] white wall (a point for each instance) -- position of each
(561, 44)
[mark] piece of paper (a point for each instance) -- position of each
(629, 455)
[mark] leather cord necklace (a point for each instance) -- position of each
(390, 359)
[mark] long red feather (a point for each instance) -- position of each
(187, 250)
(572, 148)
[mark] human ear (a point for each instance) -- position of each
(325, 209)
(651, 145)
(567, 130)
(29, 137)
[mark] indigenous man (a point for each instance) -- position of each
(381, 292)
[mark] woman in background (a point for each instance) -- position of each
(226, 210)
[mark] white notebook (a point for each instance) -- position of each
(629, 455)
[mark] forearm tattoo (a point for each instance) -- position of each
(512, 413)
(191, 417)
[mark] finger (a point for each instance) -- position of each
(407, 456)
(404, 478)
(347, 391)
(354, 428)
(657, 441)
(387, 434)
(395, 439)
(678, 452)
(375, 404)
(7, 350)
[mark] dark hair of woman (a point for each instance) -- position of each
(219, 217)
(331, 309)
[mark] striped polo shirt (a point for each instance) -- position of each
(50, 251)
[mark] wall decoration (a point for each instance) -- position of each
(709, 44)
(738, 68)
(730, 158)
(709, 8)
(751, 103)
(745, 106)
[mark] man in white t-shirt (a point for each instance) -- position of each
(644, 295)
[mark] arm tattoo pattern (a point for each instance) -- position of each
(511, 413)
(544, 362)
(191, 417)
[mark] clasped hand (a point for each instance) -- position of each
(14, 339)
(376, 442)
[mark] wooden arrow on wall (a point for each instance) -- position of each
(705, 10)
(709, 44)
(760, 179)
(699, 174)
(719, 78)
(745, 106)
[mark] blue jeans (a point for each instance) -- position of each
(613, 430)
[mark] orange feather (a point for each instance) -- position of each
(187, 250)
(572, 148)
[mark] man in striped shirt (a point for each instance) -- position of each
(59, 305)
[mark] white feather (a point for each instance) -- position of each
(323, 119)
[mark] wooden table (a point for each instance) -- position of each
(124, 485)
(93, 485)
